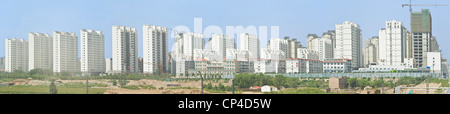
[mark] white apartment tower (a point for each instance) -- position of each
(125, 49)
(371, 50)
(185, 43)
(250, 43)
(16, 55)
(323, 46)
(349, 43)
(220, 43)
(92, 51)
(65, 52)
(393, 43)
(279, 44)
(155, 49)
(40, 51)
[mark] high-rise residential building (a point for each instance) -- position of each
(2, 63)
(155, 49)
(108, 65)
(185, 43)
(434, 45)
(40, 51)
(292, 47)
(220, 44)
(141, 64)
(331, 34)
(92, 52)
(392, 44)
(421, 35)
(125, 49)
(65, 52)
(16, 55)
(279, 44)
(250, 43)
(371, 46)
(349, 43)
(323, 46)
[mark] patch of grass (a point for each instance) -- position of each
(132, 87)
(44, 89)
(147, 86)
(298, 91)
(81, 85)
(182, 88)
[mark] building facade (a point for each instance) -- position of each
(421, 30)
(40, 51)
(434, 61)
(371, 49)
(279, 44)
(92, 52)
(65, 52)
(337, 65)
(269, 66)
(250, 43)
(392, 43)
(16, 55)
(349, 43)
(185, 43)
(155, 49)
(125, 49)
(323, 46)
(307, 54)
(108, 65)
(220, 43)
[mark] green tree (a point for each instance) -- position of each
(53, 89)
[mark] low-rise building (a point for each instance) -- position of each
(182, 66)
(269, 66)
(214, 67)
(337, 83)
(337, 65)
(300, 65)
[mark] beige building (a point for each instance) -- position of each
(337, 83)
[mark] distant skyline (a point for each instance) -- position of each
(295, 18)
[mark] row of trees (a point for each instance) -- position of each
(245, 80)
(376, 83)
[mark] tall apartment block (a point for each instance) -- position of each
(323, 46)
(2, 63)
(349, 43)
(65, 52)
(185, 43)
(40, 51)
(125, 49)
(16, 55)
(155, 49)
(250, 43)
(92, 52)
(220, 44)
(371, 50)
(393, 43)
(421, 34)
(279, 44)
(292, 47)
(331, 34)
(108, 65)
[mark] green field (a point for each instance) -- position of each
(45, 90)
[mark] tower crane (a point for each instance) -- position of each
(410, 5)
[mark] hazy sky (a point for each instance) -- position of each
(295, 18)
